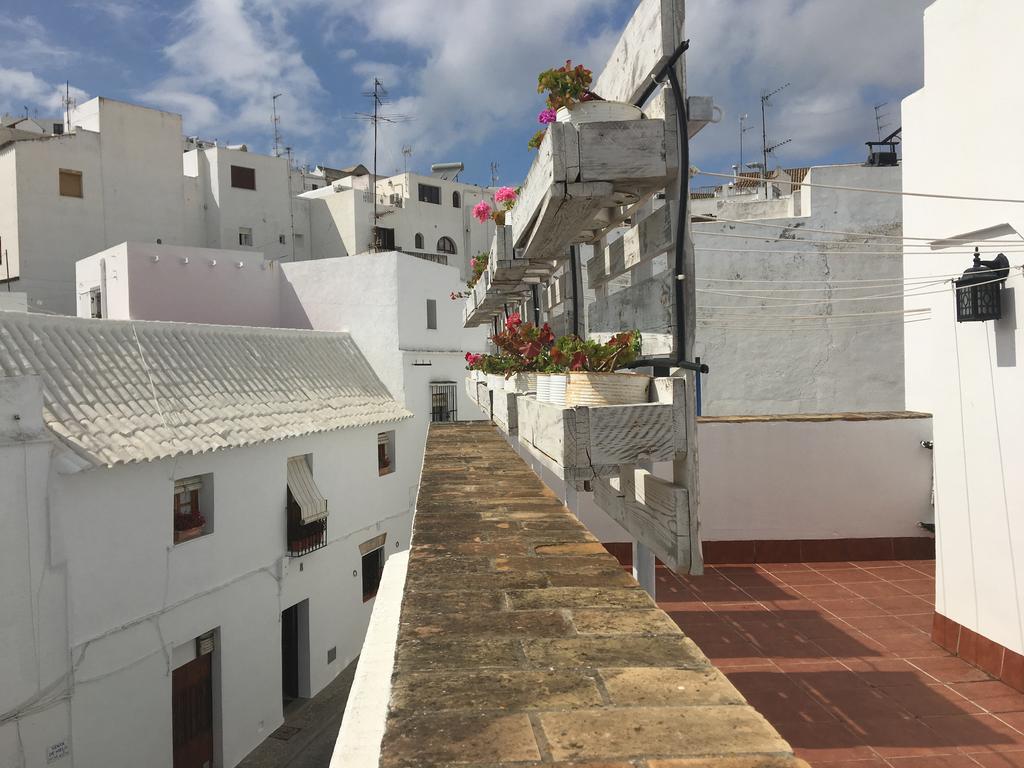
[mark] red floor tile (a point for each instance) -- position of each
(819, 743)
(992, 696)
(949, 669)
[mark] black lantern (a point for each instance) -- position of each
(978, 292)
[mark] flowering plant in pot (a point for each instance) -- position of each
(479, 265)
(188, 526)
(571, 100)
(592, 377)
(526, 346)
(505, 200)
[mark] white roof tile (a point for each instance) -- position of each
(215, 386)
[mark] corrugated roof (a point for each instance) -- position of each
(125, 391)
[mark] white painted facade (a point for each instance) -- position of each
(969, 375)
(99, 604)
(142, 183)
(379, 298)
(763, 359)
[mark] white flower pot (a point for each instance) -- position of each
(589, 388)
(557, 383)
(597, 112)
(543, 387)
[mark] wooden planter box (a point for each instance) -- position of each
(582, 443)
(505, 410)
(579, 173)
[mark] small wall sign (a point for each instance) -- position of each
(58, 751)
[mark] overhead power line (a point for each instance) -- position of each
(698, 172)
(857, 234)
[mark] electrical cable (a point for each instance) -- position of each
(896, 252)
(1001, 245)
(811, 317)
(927, 240)
(814, 185)
(831, 328)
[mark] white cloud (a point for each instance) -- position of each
(20, 89)
(389, 74)
(233, 57)
(837, 55)
(346, 54)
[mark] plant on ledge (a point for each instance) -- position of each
(592, 356)
(188, 525)
(566, 86)
(505, 200)
(479, 265)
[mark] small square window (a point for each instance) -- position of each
(281, 239)
(373, 569)
(193, 507)
(69, 183)
(386, 453)
(242, 177)
(245, 236)
(432, 314)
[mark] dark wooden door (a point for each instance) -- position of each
(192, 713)
(290, 653)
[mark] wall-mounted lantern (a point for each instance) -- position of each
(978, 292)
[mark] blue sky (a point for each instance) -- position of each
(465, 72)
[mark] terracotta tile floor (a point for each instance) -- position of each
(838, 657)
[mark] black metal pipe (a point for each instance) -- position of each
(656, 76)
(535, 298)
(573, 264)
(683, 171)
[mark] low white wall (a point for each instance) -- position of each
(776, 480)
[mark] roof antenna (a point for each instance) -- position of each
(68, 104)
(880, 116)
(406, 154)
(766, 102)
(494, 173)
(277, 125)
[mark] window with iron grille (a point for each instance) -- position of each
(386, 453)
(429, 194)
(446, 245)
(442, 401)
(245, 236)
(456, 200)
(193, 507)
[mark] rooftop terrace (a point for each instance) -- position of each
(524, 643)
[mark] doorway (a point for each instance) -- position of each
(295, 653)
(192, 713)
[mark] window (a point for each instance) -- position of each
(281, 239)
(245, 236)
(307, 509)
(385, 453)
(432, 314)
(193, 507)
(69, 183)
(373, 569)
(442, 401)
(446, 245)
(384, 239)
(418, 240)
(242, 177)
(456, 200)
(315, 186)
(430, 194)
(95, 303)
(58, 129)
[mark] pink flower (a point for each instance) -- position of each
(513, 322)
(505, 195)
(482, 211)
(546, 116)
(472, 262)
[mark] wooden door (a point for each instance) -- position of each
(192, 713)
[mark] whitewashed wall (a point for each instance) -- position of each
(814, 480)
(969, 375)
(795, 369)
(135, 600)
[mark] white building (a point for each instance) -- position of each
(793, 316)
(125, 173)
(397, 308)
(126, 641)
(969, 374)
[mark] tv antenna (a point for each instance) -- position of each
(494, 173)
(766, 102)
(277, 125)
(68, 104)
(880, 116)
(379, 95)
(406, 154)
(743, 129)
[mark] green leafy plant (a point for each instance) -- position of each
(565, 86)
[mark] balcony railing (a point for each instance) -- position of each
(304, 538)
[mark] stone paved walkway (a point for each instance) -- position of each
(523, 643)
(311, 727)
(839, 658)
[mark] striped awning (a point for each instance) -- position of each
(311, 502)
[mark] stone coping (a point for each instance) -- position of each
(851, 416)
(522, 642)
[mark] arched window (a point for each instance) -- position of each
(456, 200)
(419, 241)
(446, 245)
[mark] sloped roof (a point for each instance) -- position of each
(124, 391)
